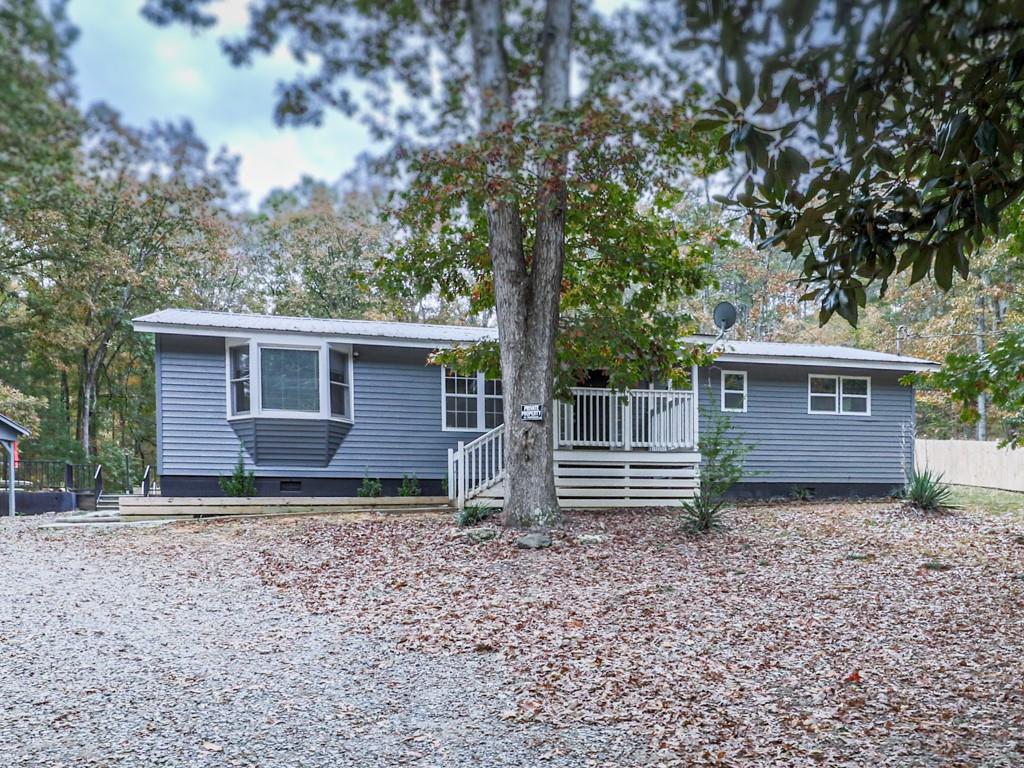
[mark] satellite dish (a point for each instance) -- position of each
(725, 316)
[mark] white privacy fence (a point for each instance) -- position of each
(971, 462)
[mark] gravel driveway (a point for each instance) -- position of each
(141, 646)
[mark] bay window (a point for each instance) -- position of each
(281, 380)
(239, 379)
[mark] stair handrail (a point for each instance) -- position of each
(147, 480)
(476, 465)
(97, 482)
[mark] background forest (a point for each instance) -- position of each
(101, 221)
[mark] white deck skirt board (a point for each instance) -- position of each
(611, 479)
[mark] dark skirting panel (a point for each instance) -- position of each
(192, 485)
(812, 490)
(39, 502)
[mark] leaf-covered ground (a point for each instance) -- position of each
(845, 634)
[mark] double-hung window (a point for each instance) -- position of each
(241, 400)
(341, 387)
(734, 391)
(471, 402)
(847, 395)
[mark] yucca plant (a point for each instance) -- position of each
(473, 514)
(927, 492)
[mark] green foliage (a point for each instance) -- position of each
(473, 514)
(887, 145)
(927, 491)
(239, 483)
(999, 373)
(410, 486)
(722, 457)
(371, 487)
(801, 493)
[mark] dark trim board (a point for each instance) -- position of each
(199, 485)
(765, 491)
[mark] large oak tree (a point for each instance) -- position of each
(538, 162)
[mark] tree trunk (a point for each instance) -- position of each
(979, 344)
(526, 298)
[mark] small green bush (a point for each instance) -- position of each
(371, 487)
(721, 467)
(239, 484)
(473, 514)
(927, 492)
(801, 493)
(410, 486)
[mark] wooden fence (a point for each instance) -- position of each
(971, 462)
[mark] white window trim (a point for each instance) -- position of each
(231, 382)
(838, 395)
(481, 398)
(722, 391)
(256, 409)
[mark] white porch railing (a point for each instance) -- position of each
(476, 465)
(637, 419)
(651, 419)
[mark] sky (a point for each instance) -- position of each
(167, 73)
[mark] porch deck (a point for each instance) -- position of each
(612, 449)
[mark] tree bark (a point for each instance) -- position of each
(526, 296)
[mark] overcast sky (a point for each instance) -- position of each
(161, 73)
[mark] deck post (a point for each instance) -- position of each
(627, 438)
(461, 499)
(696, 409)
(11, 485)
(449, 485)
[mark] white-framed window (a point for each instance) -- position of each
(238, 379)
(846, 395)
(289, 379)
(734, 391)
(273, 378)
(340, 384)
(470, 403)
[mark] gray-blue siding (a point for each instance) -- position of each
(397, 427)
(792, 446)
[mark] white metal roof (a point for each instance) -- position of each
(201, 323)
(851, 357)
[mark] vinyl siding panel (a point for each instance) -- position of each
(792, 446)
(397, 426)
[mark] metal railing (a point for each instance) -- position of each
(652, 419)
(46, 475)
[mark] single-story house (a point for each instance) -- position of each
(315, 405)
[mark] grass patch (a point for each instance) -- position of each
(989, 501)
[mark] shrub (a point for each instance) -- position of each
(721, 467)
(926, 491)
(239, 483)
(801, 493)
(370, 487)
(410, 486)
(473, 514)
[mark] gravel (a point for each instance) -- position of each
(134, 646)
